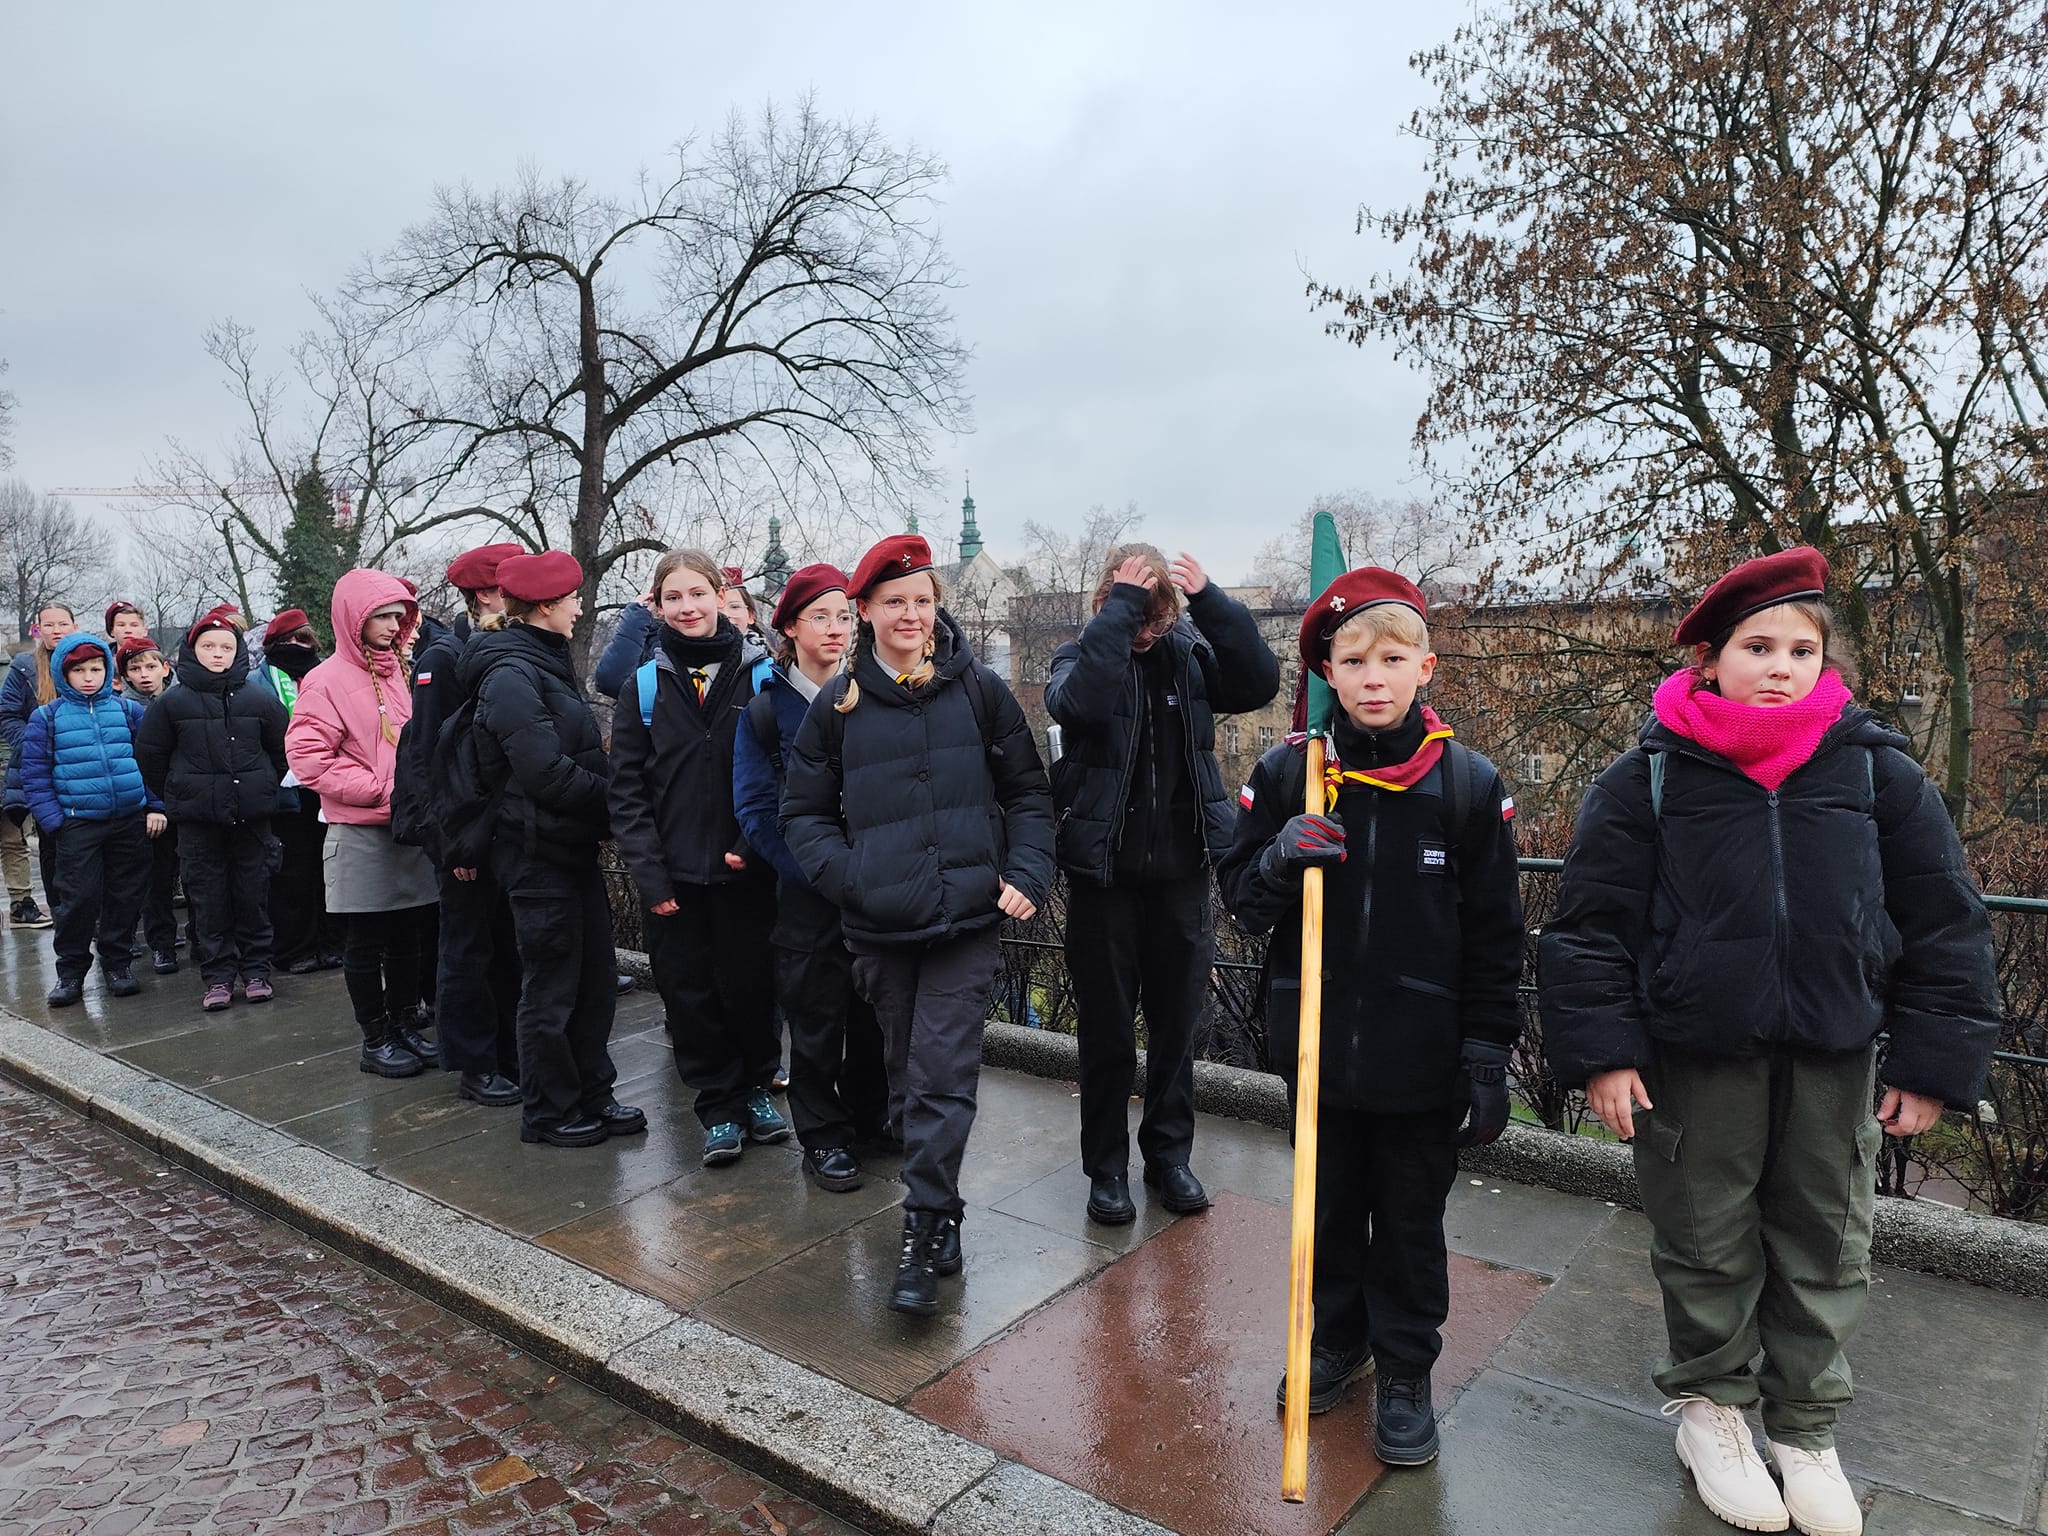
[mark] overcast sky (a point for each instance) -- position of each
(1135, 191)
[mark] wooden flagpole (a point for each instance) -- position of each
(1308, 1079)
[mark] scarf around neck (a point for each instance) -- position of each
(1400, 776)
(1766, 741)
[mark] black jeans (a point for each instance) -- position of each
(101, 868)
(381, 964)
(46, 862)
(568, 985)
(476, 1001)
(227, 883)
(1128, 946)
(1382, 1275)
(711, 962)
(159, 917)
(932, 1001)
(838, 1079)
(298, 895)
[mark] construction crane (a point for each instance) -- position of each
(162, 492)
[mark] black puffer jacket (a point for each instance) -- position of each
(1422, 923)
(212, 748)
(418, 783)
(1221, 665)
(537, 738)
(672, 792)
(903, 817)
(1738, 920)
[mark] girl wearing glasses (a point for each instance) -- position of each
(1143, 814)
(838, 1089)
(917, 805)
(709, 901)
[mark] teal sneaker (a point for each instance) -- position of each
(764, 1120)
(722, 1144)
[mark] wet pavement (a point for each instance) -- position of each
(176, 1362)
(1135, 1363)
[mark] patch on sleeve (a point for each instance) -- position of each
(1507, 808)
(1244, 797)
(422, 678)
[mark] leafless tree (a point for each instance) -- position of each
(1415, 537)
(769, 310)
(1721, 277)
(48, 553)
(6, 423)
(1061, 570)
(169, 566)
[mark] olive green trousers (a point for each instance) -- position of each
(1759, 1178)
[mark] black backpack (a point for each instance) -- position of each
(465, 798)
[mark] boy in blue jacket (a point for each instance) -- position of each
(85, 790)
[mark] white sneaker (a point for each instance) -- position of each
(1714, 1442)
(1817, 1495)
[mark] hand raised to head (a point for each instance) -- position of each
(1135, 572)
(1188, 574)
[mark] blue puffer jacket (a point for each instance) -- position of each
(78, 753)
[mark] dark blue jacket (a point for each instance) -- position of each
(17, 702)
(757, 772)
(632, 644)
(78, 752)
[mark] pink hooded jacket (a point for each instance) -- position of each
(335, 743)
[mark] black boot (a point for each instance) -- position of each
(1404, 1422)
(946, 1256)
(405, 1030)
(383, 1054)
(917, 1280)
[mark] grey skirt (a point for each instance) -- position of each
(367, 872)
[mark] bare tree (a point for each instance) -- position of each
(6, 423)
(771, 310)
(1061, 570)
(1725, 277)
(169, 566)
(1415, 537)
(48, 553)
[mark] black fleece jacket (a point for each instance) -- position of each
(212, 748)
(903, 816)
(1740, 920)
(1422, 923)
(537, 738)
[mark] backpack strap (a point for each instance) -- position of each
(983, 707)
(764, 668)
(1656, 784)
(1457, 768)
(761, 721)
(1870, 776)
(645, 681)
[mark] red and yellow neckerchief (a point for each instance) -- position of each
(1393, 776)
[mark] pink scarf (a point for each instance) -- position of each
(1765, 741)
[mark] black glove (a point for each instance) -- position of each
(1486, 1092)
(1305, 842)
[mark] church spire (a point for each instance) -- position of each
(774, 563)
(970, 532)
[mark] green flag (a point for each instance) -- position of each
(1325, 565)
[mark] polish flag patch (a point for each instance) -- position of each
(423, 677)
(1507, 809)
(1244, 797)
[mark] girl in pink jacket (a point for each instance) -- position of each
(342, 745)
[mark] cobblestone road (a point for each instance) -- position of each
(172, 1361)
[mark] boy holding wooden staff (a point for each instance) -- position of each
(1422, 950)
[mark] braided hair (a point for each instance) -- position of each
(864, 638)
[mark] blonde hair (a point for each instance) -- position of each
(1163, 601)
(864, 637)
(1382, 621)
(689, 560)
(46, 683)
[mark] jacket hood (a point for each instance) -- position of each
(193, 673)
(359, 594)
(76, 641)
(515, 642)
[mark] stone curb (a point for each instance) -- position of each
(1924, 1235)
(866, 1461)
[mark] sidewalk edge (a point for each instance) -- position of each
(866, 1461)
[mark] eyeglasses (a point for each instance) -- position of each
(896, 607)
(1160, 627)
(829, 621)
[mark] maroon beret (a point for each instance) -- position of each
(222, 611)
(116, 608)
(804, 589)
(901, 554)
(212, 621)
(539, 578)
(734, 576)
(475, 569)
(290, 622)
(1367, 587)
(132, 647)
(1754, 585)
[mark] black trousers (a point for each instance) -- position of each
(298, 895)
(46, 862)
(159, 917)
(1143, 945)
(101, 869)
(932, 1001)
(838, 1079)
(476, 1008)
(568, 985)
(711, 961)
(380, 963)
(1382, 1275)
(227, 883)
